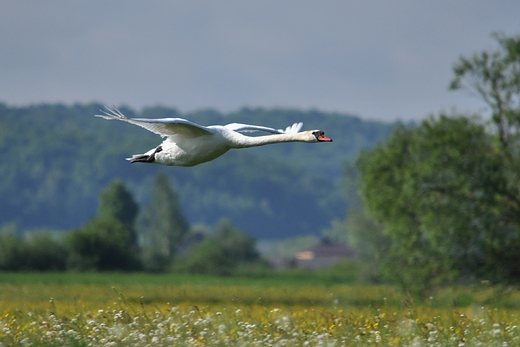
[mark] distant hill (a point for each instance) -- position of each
(57, 158)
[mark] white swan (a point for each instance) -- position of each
(190, 144)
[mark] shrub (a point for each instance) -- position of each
(103, 244)
(40, 252)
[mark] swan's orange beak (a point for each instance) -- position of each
(322, 138)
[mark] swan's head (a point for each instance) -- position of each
(319, 136)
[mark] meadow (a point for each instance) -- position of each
(279, 310)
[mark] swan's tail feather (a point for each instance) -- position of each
(148, 157)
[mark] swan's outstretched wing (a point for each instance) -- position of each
(292, 129)
(161, 126)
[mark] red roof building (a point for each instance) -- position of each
(323, 254)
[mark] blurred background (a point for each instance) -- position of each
(357, 70)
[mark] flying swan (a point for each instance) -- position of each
(190, 144)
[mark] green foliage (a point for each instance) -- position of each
(162, 224)
(46, 253)
(103, 244)
(41, 252)
(447, 191)
(155, 262)
(207, 258)
(117, 202)
(237, 245)
(438, 189)
(366, 236)
(359, 231)
(221, 252)
(495, 78)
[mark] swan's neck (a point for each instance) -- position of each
(249, 141)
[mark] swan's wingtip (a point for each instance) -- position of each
(111, 113)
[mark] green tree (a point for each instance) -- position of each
(117, 202)
(108, 241)
(495, 78)
(103, 244)
(221, 252)
(237, 245)
(207, 258)
(35, 251)
(447, 191)
(43, 252)
(162, 224)
(439, 191)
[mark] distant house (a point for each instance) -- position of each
(323, 254)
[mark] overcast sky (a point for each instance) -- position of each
(383, 60)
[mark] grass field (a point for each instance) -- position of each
(278, 310)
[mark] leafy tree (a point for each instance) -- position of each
(12, 256)
(237, 245)
(438, 189)
(117, 202)
(162, 225)
(495, 78)
(207, 258)
(447, 191)
(103, 244)
(45, 253)
(221, 252)
(36, 252)
(108, 241)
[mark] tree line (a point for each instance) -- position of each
(122, 236)
(61, 157)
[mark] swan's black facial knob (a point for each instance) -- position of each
(320, 136)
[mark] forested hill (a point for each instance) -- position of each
(57, 158)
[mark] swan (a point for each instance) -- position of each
(190, 144)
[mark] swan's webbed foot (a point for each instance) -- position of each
(145, 158)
